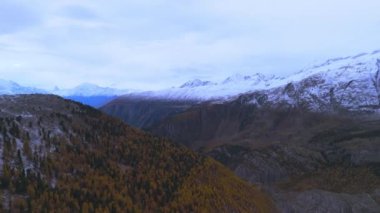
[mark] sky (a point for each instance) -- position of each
(157, 44)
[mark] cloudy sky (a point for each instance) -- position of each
(160, 43)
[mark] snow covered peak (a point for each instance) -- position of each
(196, 83)
(88, 90)
(236, 78)
(12, 88)
(206, 90)
(85, 90)
(340, 69)
(7, 84)
(347, 83)
(352, 72)
(255, 79)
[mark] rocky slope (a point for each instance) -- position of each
(57, 154)
(308, 161)
(336, 170)
(144, 113)
(210, 124)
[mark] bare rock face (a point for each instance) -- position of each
(376, 80)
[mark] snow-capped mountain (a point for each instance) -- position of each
(351, 82)
(88, 90)
(348, 82)
(12, 88)
(84, 90)
(207, 90)
(196, 83)
(89, 94)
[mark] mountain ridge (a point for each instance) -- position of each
(359, 68)
(340, 85)
(84, 90)
(343, 70)
(52, 159)
(12, 88)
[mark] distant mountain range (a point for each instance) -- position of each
(86, 89)
(90, 94)
(86, 93)
(12, 88)
(350, 82)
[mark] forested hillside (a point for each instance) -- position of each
(60, 155)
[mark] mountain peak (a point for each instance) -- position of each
(195, 83)
(342, 70)
(12, 88)
(236, 77)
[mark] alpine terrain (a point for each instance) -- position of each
(310, 140)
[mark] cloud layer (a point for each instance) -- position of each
(156, 44)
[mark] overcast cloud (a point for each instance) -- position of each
(156, 44)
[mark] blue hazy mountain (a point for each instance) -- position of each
(94, 101)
